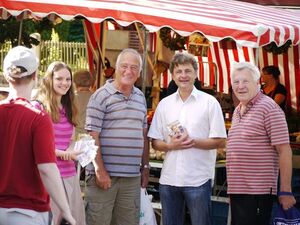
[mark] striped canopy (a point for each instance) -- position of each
(248, 24)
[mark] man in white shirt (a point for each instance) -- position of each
(191, 151)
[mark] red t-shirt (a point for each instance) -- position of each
(26, 139)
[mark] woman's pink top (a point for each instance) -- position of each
(63, 131)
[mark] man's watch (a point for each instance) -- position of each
(146, 166)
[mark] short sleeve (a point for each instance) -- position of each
(95, 113)
(43, 140)
(156, 127)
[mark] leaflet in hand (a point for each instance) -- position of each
(86, 144)
(175, 129)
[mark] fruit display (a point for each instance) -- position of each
(156, 155)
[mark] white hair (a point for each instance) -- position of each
(134, 52)
(254, 71)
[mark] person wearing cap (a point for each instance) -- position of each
(28, 168)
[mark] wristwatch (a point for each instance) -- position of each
(146, 166)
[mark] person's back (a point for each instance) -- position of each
(83, 82)
(27, 161)
(21, 133)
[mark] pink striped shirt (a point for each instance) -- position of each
(252, 159)
(63, 132)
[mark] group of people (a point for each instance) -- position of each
(37, 138)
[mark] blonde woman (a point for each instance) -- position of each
(56, 94)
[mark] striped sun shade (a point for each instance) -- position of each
(215, 68)
(248, 24)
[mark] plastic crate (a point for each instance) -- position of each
(220, 211)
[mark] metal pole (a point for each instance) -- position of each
(20, 32)
(145, 55)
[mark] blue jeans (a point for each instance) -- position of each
(197, 199)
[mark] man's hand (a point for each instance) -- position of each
(287, 201)
(68, 217)
(182, 141)
(103, 179)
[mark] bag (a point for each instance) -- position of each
(147, 216)
(286, 217)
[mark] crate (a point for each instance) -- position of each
(220, 211)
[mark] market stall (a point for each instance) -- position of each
(249, 25)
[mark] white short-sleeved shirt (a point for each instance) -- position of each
(202, 116)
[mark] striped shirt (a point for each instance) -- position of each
(63, 131)
(120, 120)
(252, 159)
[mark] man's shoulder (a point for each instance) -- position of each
(100, 93)
(266, 102)
(205, 96)
(137, 91)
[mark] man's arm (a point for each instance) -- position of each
(184, 142)
(102, 177)
(285, 168)
(52, 181)
(145, 160)
(209, 143)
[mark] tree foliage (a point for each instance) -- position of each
(67, 30)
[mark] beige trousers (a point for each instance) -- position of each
(119, 205)
(75, 200)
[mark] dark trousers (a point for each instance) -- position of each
(251, 209)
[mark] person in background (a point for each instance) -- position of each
(56, 93)
(83, 83)
(272, 87)
(117, 119)
(257, 146)
(4, 91)
(27, 158)
(109, 70)
(189, 165)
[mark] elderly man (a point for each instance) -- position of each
(117, 119)
(27, 157)
(258, 145)
(188, 125)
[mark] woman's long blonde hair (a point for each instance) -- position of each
(47, 96)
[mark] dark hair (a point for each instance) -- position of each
(182, 58)
(273, 70)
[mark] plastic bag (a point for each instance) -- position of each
(286, 217)
(147, 216)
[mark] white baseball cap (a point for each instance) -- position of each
(20, 62)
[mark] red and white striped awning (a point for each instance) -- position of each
(215, 68)
(248, 24)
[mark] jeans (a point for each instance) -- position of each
(196, 199)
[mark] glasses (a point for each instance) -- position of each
(133, 68)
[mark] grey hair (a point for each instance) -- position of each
(237, 66)
(134, 52)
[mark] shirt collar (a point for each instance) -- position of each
(192, 95)
(112, 90)
(249, 104)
